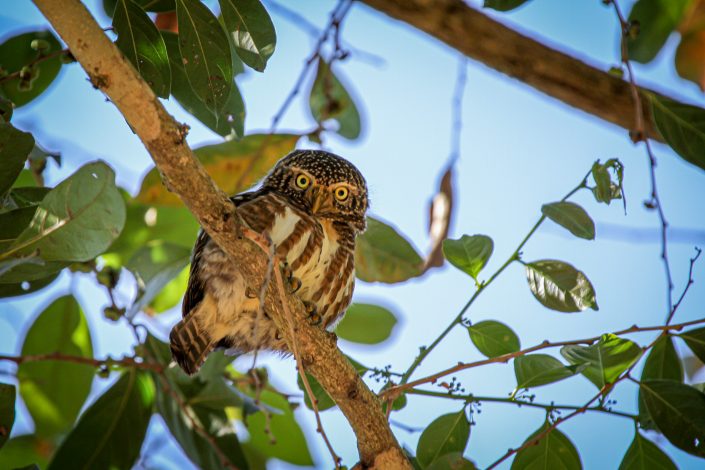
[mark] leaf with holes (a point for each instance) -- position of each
(534, 370)
(682, 127)
(554, 450)
(493, 338)
(54, 391)
(469, 253)
(605, 360)
(571, 217)
(383, 255)
(111, 431)
(679, 413)
(139, 40)
(446, 434)
(329, 100)
(205, 53)
(251, 30)
(559, 286)
(661, 363)
(645, 455)
(366, 324)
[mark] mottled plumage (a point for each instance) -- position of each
(312, 205)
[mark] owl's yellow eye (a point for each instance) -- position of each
(341, 193)
(302, 181)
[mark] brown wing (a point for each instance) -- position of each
(195, 289)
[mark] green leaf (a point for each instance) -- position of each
(15, 146)
(571, 217)
(20, 198)
(605, 189)
(330, 100)
(559, 286)
(682, 127)
(7, 411)
(205, 53)
(493, 338)
(553, 451)
(228, 122)
(171, 293)
(76, 221)
(695, 339)
(503, 5)
(111, 431)
(25, 287)
(54, 391)
(446, 434)
(645, 455)
(469, 253)
(534, 370)
(251, 29)
(606, 359)
(289, 442)
(233, 165)
(679, 413)
(12, 223)
(16, 53)
(366, 324)
(657, 20)
(383, 255)
(28, 449)
(451, 461)
(661, 363)
(140, 41)
(154, 266)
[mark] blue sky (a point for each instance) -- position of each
(520, 149)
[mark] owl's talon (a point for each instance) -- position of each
(250, 293)
(293, 282)
(313, 315)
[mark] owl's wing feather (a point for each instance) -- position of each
(195, 290)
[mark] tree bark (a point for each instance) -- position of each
(552, 72)
(183, 174)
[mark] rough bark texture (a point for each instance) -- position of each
(554, 73)
(183, 174)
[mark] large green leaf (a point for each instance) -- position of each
(111, 431)
(695, 339)
(605, 360)
(233, 165)
(534, 370)
(553, 451)
(645, 455)
(76, 221)
(54, 391)
(330, 100)
(682, 127)
(15, 146)
(679, 413)
(503, 5)
(7, 411)
(446, 434)
(559, 286)
(251, 30)
(228, 122)
(366, 324)
(657, 19)
(571, 217)
(469, 253)
(661, 363)
(154, 265)
(493, 338)
(16, 53)
(383, 255)
(140, 41)
(451, 461)
(205, 52)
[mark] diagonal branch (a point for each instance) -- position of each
(548, 70)
(183, 174)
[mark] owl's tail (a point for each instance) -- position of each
(190, 344)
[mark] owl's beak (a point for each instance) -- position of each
(318, 199)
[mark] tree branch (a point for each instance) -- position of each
(183, 174)
(552, 72)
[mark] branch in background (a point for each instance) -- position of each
(99, 363)
(552, 72)
(183, 174)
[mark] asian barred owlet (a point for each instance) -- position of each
(312, 205)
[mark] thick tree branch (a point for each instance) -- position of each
(552, 72)
(183, 174)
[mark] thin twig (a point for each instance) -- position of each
(41, 58)
(689, 283)
(457, 110)
(129, 361)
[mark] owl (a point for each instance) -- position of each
(312, 206)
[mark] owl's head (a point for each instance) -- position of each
(322, 184)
